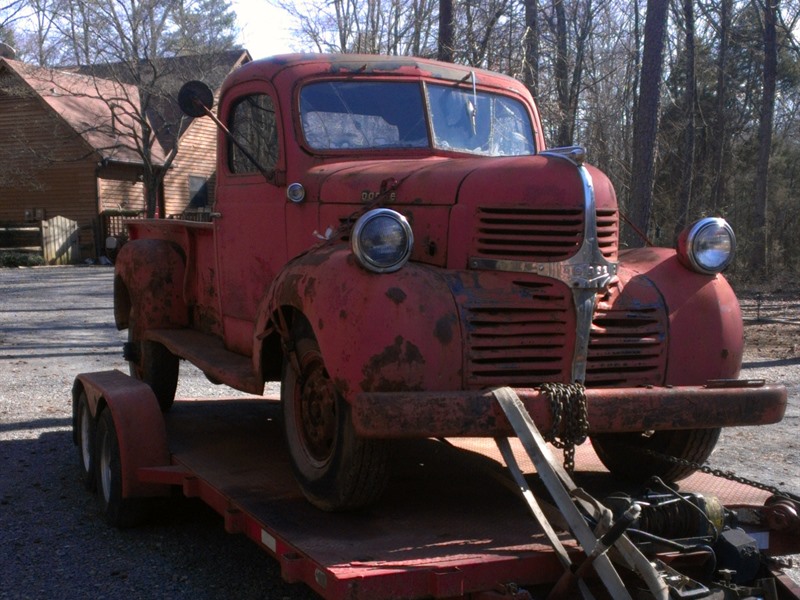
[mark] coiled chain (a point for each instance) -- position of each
(570, 418)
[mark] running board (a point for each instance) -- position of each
(209, 354)
(565, 494)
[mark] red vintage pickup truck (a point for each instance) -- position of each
(391, 240)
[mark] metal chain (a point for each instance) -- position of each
(568, 406)
(729, 475)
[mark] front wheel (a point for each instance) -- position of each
(336, 469)
(638, 457)
(156, 366)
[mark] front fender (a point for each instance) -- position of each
(148, 287)
(706, 335)
(377, 332)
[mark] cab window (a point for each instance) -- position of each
(253, 123)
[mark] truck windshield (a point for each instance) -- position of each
(376, 115)
(478, 122)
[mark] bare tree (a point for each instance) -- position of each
(645, 125)
(530, 59)
(10, 11)
(769, 12)
(690, 101)
(445, 50)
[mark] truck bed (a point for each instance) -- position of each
(447, 525)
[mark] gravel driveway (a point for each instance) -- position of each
(57, 322)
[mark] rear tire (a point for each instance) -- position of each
(118, 511)
(156, 366)
(335, 469)
(624, 453)
(85, 440)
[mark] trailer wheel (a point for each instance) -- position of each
(118, 511)
(85, 439)
(336, 470)
(624, 454)
(156, 366)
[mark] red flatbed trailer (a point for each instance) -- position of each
(446, 528)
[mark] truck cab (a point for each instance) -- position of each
(392, 239)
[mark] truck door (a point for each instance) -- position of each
(249, 225)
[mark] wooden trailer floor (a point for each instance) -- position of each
(446, 525)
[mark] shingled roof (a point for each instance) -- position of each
(102, 103)
(101, 111)
(169, 74)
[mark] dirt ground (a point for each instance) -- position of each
(772, 325)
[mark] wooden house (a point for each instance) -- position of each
(70, 142)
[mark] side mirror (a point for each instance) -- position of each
(195, 99)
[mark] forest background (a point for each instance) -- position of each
(690, 106)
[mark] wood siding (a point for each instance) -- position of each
(196, 157)
(120, 188)
(46, 169)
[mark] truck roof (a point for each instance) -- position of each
(309, 64)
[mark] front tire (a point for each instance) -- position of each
(335, 469)
(627, 454)
(156, 366)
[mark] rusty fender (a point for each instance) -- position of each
(706, 337)
(477, 414)
(377, 332)
(148, 286)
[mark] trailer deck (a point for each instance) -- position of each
(446, 527)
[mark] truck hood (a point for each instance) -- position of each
(530, 181)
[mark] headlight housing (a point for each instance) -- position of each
(382, 240)
(707, 246)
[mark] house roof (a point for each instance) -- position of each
(166, 76)
(101, 111)
(102, 102)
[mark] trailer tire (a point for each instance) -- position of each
(156, 366)
(85, 437)
(625, 454)
(335, 469)
(118, 511)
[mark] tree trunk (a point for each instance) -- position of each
(561, 74)
(645, 125)
(531, 59)
(446, 31)
(718, 191)
(758, 255)
(687, 174)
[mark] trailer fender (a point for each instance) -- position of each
(368, 325)
(149, 287)
(138, 421)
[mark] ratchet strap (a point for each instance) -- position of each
(565, 494)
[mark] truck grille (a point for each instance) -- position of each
(608, 232)
(526, 339)
(517, 340)
(627, 344)
(539, 234)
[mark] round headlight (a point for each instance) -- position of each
(382, 240)
(707, 246)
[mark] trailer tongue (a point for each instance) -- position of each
(445, 529)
